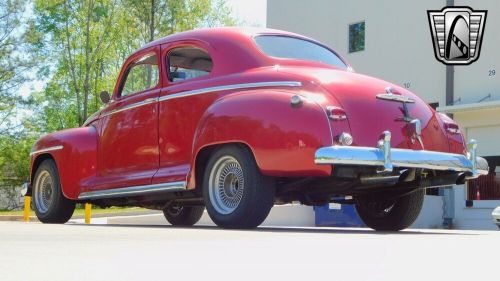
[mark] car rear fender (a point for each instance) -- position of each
(282, 137)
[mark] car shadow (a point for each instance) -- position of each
(289, 229)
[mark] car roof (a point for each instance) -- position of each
(230, 40)
(218, 35)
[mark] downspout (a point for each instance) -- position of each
(448, 193)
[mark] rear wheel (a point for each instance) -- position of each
(49, 202)
(179, 215)
(390, 215)
(236, 194)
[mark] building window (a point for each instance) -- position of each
(357, 37)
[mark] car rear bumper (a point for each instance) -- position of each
(387, 158)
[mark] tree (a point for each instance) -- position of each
(80, 33)
(15, 60)
(153, 19)
(90, 39)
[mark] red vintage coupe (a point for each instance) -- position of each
(237, 120)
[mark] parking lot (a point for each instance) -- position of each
(34, 251)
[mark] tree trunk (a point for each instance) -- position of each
(88, 51)
(151, 38)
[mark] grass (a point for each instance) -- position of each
(81, 211)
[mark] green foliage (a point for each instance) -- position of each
(14, 159)
(78, 47)
(89, 40)
(15, 58)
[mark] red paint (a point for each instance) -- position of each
(159, 142)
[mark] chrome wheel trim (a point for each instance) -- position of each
(226, 185)
(44, 191)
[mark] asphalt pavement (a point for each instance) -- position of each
(34, 251)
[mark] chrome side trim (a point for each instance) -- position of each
(232, 87)
(52, 148)
(204, 91)
(130, 106)
(134, 190)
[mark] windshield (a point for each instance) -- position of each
(295, 48)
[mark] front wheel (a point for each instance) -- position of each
(390, 215)
(236, 194)
(178, 215)
(50, 204)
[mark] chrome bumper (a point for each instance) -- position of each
(387, 158)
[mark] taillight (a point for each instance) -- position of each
(449, 125)
(336, 113)
(452, 128)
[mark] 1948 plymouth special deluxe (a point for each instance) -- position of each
(237, 120)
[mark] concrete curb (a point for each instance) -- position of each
(16, 218)
(104, 215)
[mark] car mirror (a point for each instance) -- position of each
(105, 98)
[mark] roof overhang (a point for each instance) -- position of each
(469, 107)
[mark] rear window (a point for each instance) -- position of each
(295, 48)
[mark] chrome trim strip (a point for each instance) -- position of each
(130, 106)
(231, 87)
(204, 91)
(392, 97)
(406, 158)
(52, 148)
(134, 190)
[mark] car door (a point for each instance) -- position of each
(187, 67)
(128, 144)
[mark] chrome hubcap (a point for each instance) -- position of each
(44, 191)
(226, 185)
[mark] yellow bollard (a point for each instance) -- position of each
(88, 212)
(27, 208)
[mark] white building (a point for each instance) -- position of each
(391, 39)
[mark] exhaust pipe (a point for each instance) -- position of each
(463, 177)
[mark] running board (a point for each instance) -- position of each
(134, 190)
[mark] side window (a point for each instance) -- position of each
(187, 63)
(142, 75)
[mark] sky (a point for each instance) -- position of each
(251, 12)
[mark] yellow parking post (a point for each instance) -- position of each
(88, 212)
(27, 208)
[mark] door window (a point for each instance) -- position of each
(142, 75)
(188, 63)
